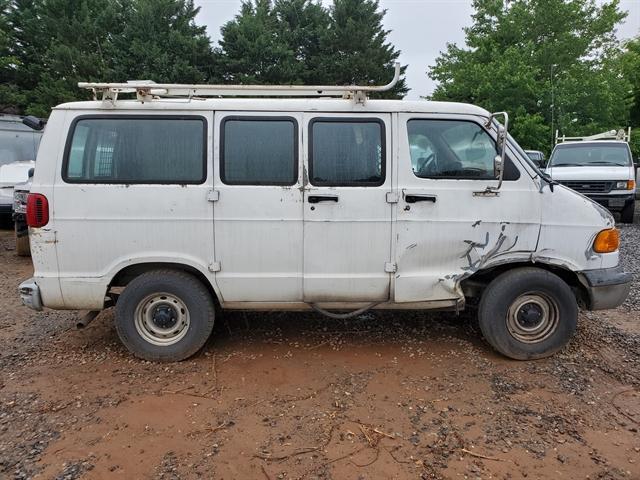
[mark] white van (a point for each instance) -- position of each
(170, 208)
(18, 147)
(600, 167)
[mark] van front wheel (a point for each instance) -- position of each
(164, 316)
(528, 313)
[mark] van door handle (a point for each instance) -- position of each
(323, 198)
(417, 197)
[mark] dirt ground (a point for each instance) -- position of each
(296, 396)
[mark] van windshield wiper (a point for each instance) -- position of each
(547, 178)
(609, 163)
(568, 165)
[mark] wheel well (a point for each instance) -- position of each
(476, 283)
(124, 276)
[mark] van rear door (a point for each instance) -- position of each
(347, 220)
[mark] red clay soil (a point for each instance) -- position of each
(296, 396)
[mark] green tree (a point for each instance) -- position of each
(303, 26)
(161, 41)
(299, 41)
(631, 69)
(54, 44)
(553, 64)
(252, 47)
(74, 38)
(18, 56)
(357, 49)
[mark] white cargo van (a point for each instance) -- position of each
(170, 208)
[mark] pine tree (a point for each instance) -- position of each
(299, 41)
(253, 48)
(357, 49)
(160, 41)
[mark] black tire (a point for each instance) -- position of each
(626, 215)
(22, 244)
(510, 299)
(186, 292)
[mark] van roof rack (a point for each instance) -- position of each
(146, 90)
(608, 135)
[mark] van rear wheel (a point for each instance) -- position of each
(528, 313)
(164, 316)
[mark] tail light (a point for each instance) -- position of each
(37, 210)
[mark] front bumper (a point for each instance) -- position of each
(607, 287)
(613, 202)
(30, 294)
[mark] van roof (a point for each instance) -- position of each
(281, 104)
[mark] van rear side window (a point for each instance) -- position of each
(346, 152)
(132, 149)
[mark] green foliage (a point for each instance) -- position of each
(554, 64)
(53, 44)
(301, 42)
(631, 70)
(357, 50)
(635, 144)
(160, 41)
(48, 46)
(253, 48)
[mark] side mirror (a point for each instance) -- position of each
(30, 173)
(34, 122)
(501, 147)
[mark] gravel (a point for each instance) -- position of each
(629, 251)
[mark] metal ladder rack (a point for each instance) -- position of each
(608, 135)
(147, 90)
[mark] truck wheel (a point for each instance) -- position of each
(528, 313)
(22, 244)
(164, 316)
(626, 216)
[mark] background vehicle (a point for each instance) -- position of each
(536, 156)
(600, 167)
(18, 149)
(21, 228)
(360, 204)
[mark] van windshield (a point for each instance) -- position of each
(17, 145)
(601, 154)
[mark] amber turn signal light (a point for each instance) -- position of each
(607, 241)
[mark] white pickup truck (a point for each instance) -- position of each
(600, 167)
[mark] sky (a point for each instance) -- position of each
(420, 29)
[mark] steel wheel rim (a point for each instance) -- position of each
(162, 319)
(533, 317)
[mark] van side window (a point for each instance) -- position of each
(450, 149)
(259, 151)
(136, 150)
(346, 152)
